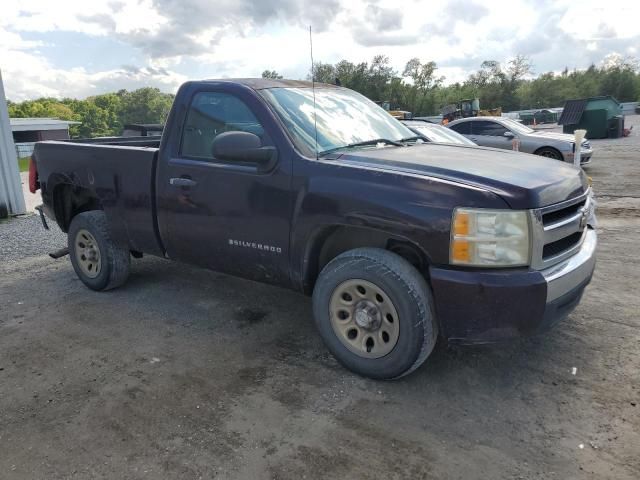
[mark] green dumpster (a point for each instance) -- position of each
(596, 115)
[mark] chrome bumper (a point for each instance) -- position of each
(574, 271)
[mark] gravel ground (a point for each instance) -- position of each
(24, 236)
(185, 373)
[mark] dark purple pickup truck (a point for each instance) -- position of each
(321, 191)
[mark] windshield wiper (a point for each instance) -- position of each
(415, 137)
(375, 141)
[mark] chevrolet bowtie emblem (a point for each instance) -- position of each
(584, 218)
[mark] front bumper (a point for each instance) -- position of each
(585, 156)
(493, 305)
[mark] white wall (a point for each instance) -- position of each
(10, 185)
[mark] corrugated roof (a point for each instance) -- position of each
(572, 111)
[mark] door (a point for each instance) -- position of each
(225, 215)
(488, 133)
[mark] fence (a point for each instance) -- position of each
(24, 149)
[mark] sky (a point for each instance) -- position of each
(77, 48)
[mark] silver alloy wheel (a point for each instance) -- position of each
(87, 253)
(364, 318)
(549, 154)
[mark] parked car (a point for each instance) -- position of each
(432, 132)
(500, 132)
(398, 241)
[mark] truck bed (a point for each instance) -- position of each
(150, 141)
(122, 178)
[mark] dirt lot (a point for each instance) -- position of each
(185, 373)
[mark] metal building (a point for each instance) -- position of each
(28, 131)
(11, 198)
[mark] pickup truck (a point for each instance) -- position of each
(317, 189)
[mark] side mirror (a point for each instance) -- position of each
(508, 134)
(243, 147)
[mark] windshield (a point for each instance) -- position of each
(343, 117)
(439, 134)
(516, 126)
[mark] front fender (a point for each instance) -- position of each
(412, 207)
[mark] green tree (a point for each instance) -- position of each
(271, 74)
(420, 96)
(145, 105)
(323, 73)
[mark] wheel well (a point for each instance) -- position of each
(537, 152)
(336, 240)
(69, 201)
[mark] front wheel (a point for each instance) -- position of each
(96, 259)
(374, 312)
(549, 153)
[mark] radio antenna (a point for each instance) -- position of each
(313, 89)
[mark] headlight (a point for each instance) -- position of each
(489, 238)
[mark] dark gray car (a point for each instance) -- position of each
(501, 132)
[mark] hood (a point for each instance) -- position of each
(520, 179)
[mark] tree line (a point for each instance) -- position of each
(100, 115)
(418, 88)
(421, 90)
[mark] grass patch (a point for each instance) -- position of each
(23, 164)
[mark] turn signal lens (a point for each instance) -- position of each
(460, 251)
(461, 224)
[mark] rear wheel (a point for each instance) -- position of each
(96, 259)
(375, 313)
(549, 153)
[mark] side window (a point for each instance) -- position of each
(463, 128)
(213, 113)
(487, 128)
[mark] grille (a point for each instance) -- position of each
(554, 248)
(558, 215)
(559, 230)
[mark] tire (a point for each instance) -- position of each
(88, 234)
(549, 152)
(394, 287)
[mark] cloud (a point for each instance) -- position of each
(78, 48)
(194, 26)
(606, 31)
(383, 18)
(101, 19)
(28, 76)
(370, 38)
(379, 27)
(465, 11)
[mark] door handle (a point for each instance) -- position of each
(182, 182)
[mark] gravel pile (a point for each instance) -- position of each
(24, 236)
